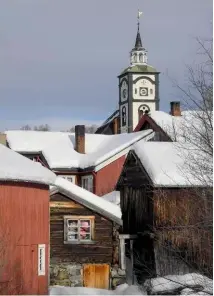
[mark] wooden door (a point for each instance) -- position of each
(96, 276)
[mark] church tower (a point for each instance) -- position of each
(138, 87)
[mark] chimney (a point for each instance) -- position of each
(115, 125)
(80, 138)
(3, 139)
(175, 109)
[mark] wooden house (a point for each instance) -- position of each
(24, 224)
(167, 209)
(91, 161)
(84, 240)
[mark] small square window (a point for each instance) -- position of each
(78, 229)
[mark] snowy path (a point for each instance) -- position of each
(124, 289)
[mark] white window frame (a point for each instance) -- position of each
(78, 219)
(71, 178)
(89, 178)
(41, 259)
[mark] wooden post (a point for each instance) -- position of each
(132, 260)
(122, 254)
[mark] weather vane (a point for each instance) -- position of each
(138, 18)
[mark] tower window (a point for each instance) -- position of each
(135, 91)
(151, 91)
(123, 116)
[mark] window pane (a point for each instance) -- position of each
(72, 225)
(85, 236)
(90, 184)
(72, 237)
(85, 229)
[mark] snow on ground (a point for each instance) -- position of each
(15, 167)
(172, 283)
(124, 289)
(88, 199)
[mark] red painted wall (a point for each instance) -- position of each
(24, 223)
(107, 177)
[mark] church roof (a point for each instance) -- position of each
(139, 69)
(138, 42)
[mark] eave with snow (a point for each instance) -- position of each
(60, 153)
(83, 237)
(102, 206)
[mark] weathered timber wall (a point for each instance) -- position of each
(183, 223)
(67, 260)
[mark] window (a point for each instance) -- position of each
(41, 259)
(87, 183)
(151, 91)
(69, 178)
(123, 116)
(78, 229)
(135, 90)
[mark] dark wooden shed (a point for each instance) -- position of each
(84, 239)
(171, 216)
(24, 225)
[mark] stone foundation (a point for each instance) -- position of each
(117, 277)
(66, 275)
(71, 275)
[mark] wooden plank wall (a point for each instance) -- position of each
(24, 223)
(99, 252)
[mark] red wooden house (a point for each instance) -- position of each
(91, 161)
(24, 224)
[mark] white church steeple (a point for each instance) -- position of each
(138, 55)
(138, 87)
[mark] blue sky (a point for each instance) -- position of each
(59, 59)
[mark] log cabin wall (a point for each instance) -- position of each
(183, 225)
(68, 260)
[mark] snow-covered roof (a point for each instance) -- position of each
(171, 164)
(110, 118)
(178, 127)
(59, 148)
(113, 197)
(88, 199)
(15, 167)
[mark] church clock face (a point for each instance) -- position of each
(124, 91)
(144, 91)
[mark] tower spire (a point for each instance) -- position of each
(138, 42)
(138, 54)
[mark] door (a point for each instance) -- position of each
(96, 276)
